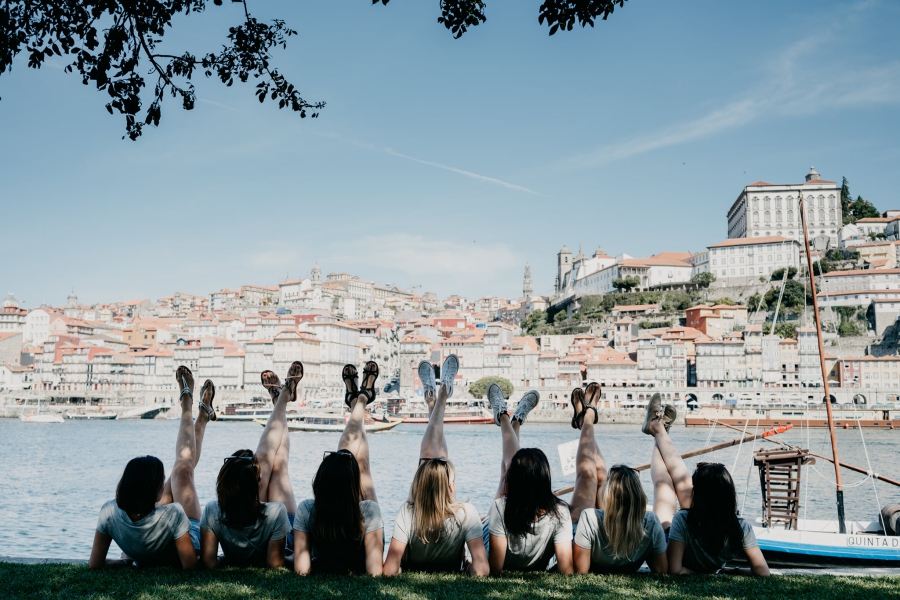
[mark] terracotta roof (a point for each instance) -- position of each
(864, 272)
(772, 239)
(8, 334)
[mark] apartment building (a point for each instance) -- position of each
(858, 288)
(742, 261)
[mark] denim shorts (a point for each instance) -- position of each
(194, 531)
(289, 538)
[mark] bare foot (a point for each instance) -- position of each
(207, 394)
(185, 380)
(293, 377)
(272, 384)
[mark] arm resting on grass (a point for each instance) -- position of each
(374, 544)
(99, 551)
(675, 557)
(758, 565)
(582, 560)
(658, 563)
(395, 556)
(187, 553)
(497, 555)
(302, 557)
(275, 554)
(209, 549)
(564, 561)
(479, 566)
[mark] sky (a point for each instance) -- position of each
(441, 163)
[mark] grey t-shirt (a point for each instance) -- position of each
(338, 557)
(531, 551)
(696, 558)
(150, 541)
(591, 535)
(447, 553)
(247, 545)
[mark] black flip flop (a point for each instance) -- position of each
(576, 398)
(291, 381)
(370, 376)
(208, 408)
(274, 389)
(591, 395)
(349, 375)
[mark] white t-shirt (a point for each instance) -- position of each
(591, 535)
(247, 545)
(533, 550)
(149, 541)
(448, 552)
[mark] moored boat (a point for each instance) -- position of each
(41, 418)
(336, 423)
(456, 413)
(91, 415)
(844, 415)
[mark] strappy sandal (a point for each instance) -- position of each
(272, 384)
(210, 411)
(370, 376)
(349, 375)
(293, 377)
(186, 389)
(577, 400)
(591, 395)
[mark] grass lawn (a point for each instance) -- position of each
(68, 581)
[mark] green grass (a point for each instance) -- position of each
(67, 581)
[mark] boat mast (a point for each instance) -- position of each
(842, 527)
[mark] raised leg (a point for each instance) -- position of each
(270, 441)
(280, 488)
(354, 439)
(670, 476)
(509, 429)
(590, 471)
(180, 485)
(434, 444)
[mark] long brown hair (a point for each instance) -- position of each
(432, 502)
(712, 518)
(528, 491)
(237, 489)
(337, 494)
(624, 506)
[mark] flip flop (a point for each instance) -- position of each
(274, 384)
(349, 375)
(370, 376)
(210, 411)
(591, 395)
(185, 389)
(577, 401)
(293, 377)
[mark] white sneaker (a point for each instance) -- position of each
(497, 402)
(426, 375)
(526, 405)
(448, 373)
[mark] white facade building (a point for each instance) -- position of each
(37, 327)
(744, 260)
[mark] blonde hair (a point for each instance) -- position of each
(625, 504)
(432, 503)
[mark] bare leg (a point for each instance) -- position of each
(269, 442)
(434, 444)
(510, 431)
(180, 485)
(670, 476)
(280, 488)
(354, 439)
(590, 472)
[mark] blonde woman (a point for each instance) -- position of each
(614, 531)
(433, 530)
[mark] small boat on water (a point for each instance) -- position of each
(91, 415)
(336, 423)
(41, 418)
(818, 543)
(456, 413)
(816, 416)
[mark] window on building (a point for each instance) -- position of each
(777, 201)
(778, 215)
(821, 201)
(822, 217)
(767, 203)
(756, 218)
(768, 216)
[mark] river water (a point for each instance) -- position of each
(56, 477)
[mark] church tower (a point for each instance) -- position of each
(527, 288)
(563, 266)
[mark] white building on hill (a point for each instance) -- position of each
(742, 261)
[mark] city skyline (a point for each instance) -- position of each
(439, 179)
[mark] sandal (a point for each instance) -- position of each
(349, 375)
(370, 376)
(179, 376)
(272, 384)
(210, 411)
(577, 400)
(293, 377)
(591, 395)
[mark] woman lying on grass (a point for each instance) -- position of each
(706, 533)
(250, 518)
(615, 533)
(432, 530)
(527, 524)
(341, 529)
(154, 520)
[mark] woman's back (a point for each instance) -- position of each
(448, 551)
(591, 535)
(533, 550)
(247, 545)
(149, 540)
(338, 556)
(698, 557)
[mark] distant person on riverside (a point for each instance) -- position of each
(432, 529)
(252, 514)
(707, 532)
(614, 532)
(527, 523)
(154, 520)
(340, 530)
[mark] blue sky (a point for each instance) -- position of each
(445, 163)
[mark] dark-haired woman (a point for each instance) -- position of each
(707, 532)
(340, 529)
(527, 524)
(249, 518)
(154, 520)
(433, 530)
(614, 532)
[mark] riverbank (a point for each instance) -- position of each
(76, 581)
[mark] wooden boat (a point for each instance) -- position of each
(846, 416)
(336, 423)
(818, 543)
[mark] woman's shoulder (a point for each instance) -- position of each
(274, 509)
(369, 507)
(306, 506)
